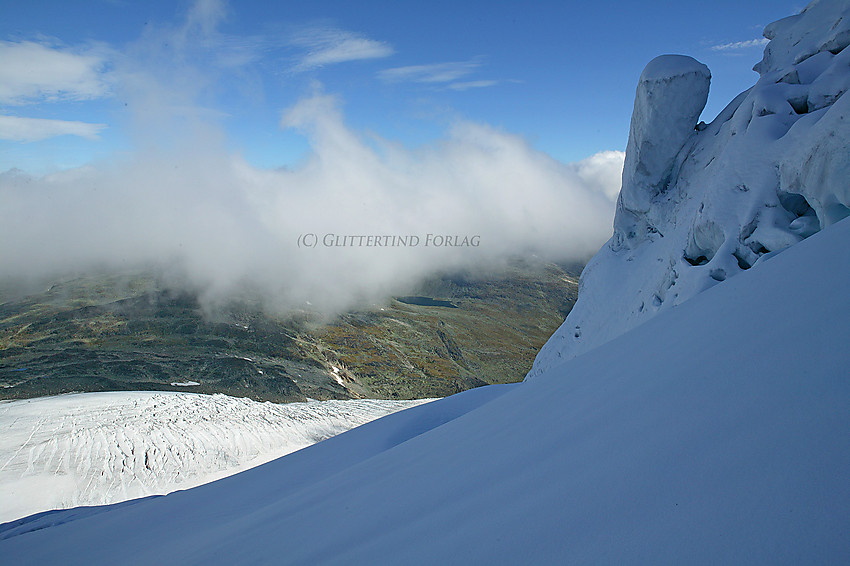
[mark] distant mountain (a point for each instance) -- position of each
(110, 332)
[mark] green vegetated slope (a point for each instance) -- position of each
(129, 332)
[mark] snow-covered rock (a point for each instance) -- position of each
(700, 204)
(671, 94)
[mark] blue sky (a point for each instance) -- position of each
(559, 74)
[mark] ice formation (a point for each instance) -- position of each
(702, 203)
(101, 448)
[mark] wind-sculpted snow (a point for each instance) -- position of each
(700, 204)
(99, 448)
(671, 94)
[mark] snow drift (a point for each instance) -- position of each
(700, 204)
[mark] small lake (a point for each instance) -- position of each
(426, 302)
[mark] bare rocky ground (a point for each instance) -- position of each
(115, 332)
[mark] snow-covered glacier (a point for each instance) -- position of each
(702, 203)
(101, 448)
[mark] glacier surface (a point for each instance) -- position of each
(101, 448)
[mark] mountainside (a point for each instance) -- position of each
(710, 433)
(133, 331)
(703, 203)
(713, 434)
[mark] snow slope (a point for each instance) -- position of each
(716, 433)
(99, 448)
(700, 204)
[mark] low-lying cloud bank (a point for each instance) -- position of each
(223, 227)
(358, 219)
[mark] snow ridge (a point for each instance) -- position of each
(700, 204)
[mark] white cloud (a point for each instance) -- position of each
(35, 72)
(740, 45)
(433, 73)
(182, 202)
(223, 228)
(15, 128)
(602, 172)
(472, 84)
(205, 15)
(326, 46)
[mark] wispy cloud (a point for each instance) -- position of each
(433, 73)
(446, 75)
(36, 72)
(472, 84)
(327, 46)
(737, 45)
(15, 128)
(206, 15)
